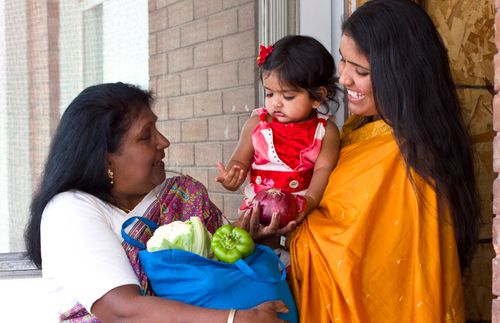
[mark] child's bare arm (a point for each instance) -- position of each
(232, 176)
(324, 165)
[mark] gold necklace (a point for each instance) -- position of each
(124, 209)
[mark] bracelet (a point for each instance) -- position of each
(283, 241)
(232, 313)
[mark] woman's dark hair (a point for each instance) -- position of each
(414, 93)
(303, 63)
(91, 127)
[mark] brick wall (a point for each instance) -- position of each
(202, 69)
(43, 83)
(496, 169)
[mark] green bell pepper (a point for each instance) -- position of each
(231, 243)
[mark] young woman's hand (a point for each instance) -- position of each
(265, 312)
(231, 179)
(308, 204)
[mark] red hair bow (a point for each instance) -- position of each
(264, 52)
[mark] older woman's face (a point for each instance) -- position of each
(138, 164)
(354, 75)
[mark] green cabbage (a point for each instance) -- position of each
(190, 236)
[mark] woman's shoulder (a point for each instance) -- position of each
(74, 202)
(75, 196)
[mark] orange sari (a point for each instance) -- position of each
(375, 250)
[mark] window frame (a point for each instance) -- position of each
(17, 265)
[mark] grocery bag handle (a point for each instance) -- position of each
(247, 270)
(131, 241)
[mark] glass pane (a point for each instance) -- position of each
(49, 52)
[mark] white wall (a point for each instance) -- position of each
(126, 42)
(24, 301)
(323, 21)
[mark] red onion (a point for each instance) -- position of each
(275, 200)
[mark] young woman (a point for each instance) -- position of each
(399, 216)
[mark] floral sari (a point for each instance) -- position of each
(180, 198)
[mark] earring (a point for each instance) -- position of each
(111, 176)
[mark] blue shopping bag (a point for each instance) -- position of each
(187, 277)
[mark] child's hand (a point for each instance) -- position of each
(231, 179)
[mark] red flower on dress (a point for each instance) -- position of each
(264, 52)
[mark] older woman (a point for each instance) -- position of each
(398, 219)
(105, 166)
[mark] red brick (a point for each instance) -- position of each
(496, 234)
(171, 129)
(495, 310)
(496, 111)
(496, 276)
(238, 100)
(241, 121)
(194, 33)
(217, 198)
(496, 191)
(207, 154)
(496, 66)
(224, 23)
(164, 3)
(208, 53)
(207, 104)
(232, 203)
(198, 173)
(496, 154)
(157, 64)
(158, 20)
(180, 59)
(181, 154)
(194, 81)
(223, 76)
(180, 107)
(168, 39)
(180, 13)
(247, 72)
(168, 85)
(152, 44)
(497, 29)
(240, 45)
(228, 150)
(194, 130)
(246, 16)
(232, 3)
(161, 108)
(214, 186)
(151, 5)
(223, 128)
(204, 8)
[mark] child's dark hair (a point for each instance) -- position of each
(302, 62)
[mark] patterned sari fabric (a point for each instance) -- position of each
(179, 199)
(378, 248)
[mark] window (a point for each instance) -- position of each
(49, 52)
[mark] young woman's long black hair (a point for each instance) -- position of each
(91, 127)
(414, 93)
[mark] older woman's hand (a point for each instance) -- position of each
(250, 221)
(265, 312)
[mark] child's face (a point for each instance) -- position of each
(287, 104)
